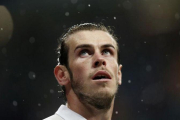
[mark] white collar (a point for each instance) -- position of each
(68, 114)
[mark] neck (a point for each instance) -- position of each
(87, 111)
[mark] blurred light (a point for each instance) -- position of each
(15, 103)
(32, 75)
(39, 104)
(129, 81)
(148, 68)
(51, 91)
(74, 1)
(6, 26)
(66, 13)
(89, 5)
(31, 39)
(177, 16)
(115, 18)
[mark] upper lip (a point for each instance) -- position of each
(102, 73)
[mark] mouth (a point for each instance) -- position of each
(101, 75)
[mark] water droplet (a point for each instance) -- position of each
(37, 11)
(31, 39)
(142, 100)
(148, 68)
(145, 42)
(89, 5)
(1, 28)
(123, 44)
(119, 5)
(32, 75)
(15, 103)
(129, 81)
(66, 13)
(74, 1)
(39, 104)
(138, 111)
(64, 26)
(51, 91)
(115, 18)
(177, 16)
(116, 112)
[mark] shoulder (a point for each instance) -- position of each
(54, 117)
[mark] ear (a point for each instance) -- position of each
(120, 75)
(62, 75)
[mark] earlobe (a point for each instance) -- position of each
(120, 75)
(61, 74)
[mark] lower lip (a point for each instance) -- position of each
(102, 80)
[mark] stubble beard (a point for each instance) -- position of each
(99, 100)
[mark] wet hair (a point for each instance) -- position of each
(63, 48)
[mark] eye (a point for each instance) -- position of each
(84, 53)
(106, 52)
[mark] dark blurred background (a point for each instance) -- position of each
(149, 39)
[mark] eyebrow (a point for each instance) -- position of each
(89, 46)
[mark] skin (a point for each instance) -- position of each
(90, 52)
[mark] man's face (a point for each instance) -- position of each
(93, 64)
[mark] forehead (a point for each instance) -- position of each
(95, 37)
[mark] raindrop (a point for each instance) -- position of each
(127, 5)
(39, 104)
(177, 16)
(66, 13)
(15, 103)
(129, 81)
(1, 28)
(51, 91)
(37, 11)
(138, 111)
(119, 5)
(74, 1)
(115, 18)
(142, 100)
(4, 50)
(89, 5)
(123, 44)
(145, 42)
(166, 55)
(148, 68)
(32, 75)
(31, 39)
(116, 112)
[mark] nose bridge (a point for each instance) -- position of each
(98, 58)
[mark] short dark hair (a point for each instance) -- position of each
(63, 48)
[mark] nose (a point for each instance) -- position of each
(99, 61)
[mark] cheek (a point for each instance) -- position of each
(80, 70)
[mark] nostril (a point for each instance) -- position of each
(96, 63)
(104, 63)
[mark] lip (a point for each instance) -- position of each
(102, 72)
